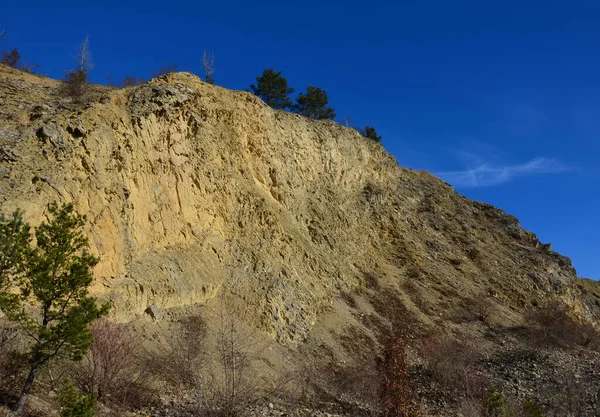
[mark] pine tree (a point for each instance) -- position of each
(14, 242)
(52, 280)
(75, 404)
(273, 89)
(370, 133)
(313, 104)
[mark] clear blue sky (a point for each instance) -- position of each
(500, 98)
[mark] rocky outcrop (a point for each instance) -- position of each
(190, 188)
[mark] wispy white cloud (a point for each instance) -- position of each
(486, 175)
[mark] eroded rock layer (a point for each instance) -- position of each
(190, 187)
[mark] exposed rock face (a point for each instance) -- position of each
(189, 187)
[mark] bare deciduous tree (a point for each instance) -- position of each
(83, 56)
(208, 64)
(235, 388)
(113, 368)
(178, 362)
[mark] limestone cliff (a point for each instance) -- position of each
(189, 187)
(192, 190)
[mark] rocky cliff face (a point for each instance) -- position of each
(190, 187)
(192, 190)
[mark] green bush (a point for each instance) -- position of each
(495, 403)
(369, 132)
(75, 404)
(313, 104)
(273, 89)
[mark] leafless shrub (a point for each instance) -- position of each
(551, 325)
(482, 307)
(13, 369)
(570, 396)
(382, 377)
(13, 59)
(29, 67)
(131, 81)
(177, 364)
(417, 296)
(355, 388)
(451, 365)
(347, 122)
(83, 57)
(397, 388)
(519, 355)
(167, 69)
(351, 388)
(233, 387)
(377, 382)
(113, 368)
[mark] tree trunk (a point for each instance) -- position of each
(18, 410)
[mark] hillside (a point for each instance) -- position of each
(195, 194)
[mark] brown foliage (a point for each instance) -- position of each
(397, 389)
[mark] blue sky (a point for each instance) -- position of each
(499, 98)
